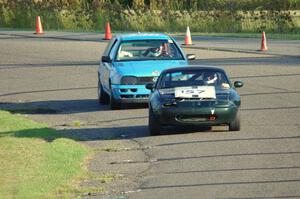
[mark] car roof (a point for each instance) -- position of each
(192, 68)
(143, 36)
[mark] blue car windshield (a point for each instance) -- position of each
(148, 50)
(194, 78)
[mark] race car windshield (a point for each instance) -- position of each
(148, 50)
(194, 78)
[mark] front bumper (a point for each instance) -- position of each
(193, 114)
(130, 93)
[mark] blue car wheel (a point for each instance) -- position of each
(114, 105)
(103, 98)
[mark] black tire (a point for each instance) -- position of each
(114, 105)
(153, 125)
(235, 125)
(103, 98)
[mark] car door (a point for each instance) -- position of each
(106, 67)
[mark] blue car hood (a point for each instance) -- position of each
(146, 68)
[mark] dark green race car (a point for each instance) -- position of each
(194, 95)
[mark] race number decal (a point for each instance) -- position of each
(207, 92)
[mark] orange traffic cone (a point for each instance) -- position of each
(107, 32)
(264, 46)
(188, 38)
(38, 26)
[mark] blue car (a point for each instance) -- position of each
(130, 61)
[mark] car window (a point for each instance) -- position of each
(194, 78)
(148, 50)
(109, 46)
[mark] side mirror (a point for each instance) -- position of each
(238, 84)
(191, 56)
(150, 86)
(106, 59)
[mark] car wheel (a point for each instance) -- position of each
(102, 95)
(235, 125)
(114, 105)
(153, 125)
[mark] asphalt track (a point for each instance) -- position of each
(53, 79)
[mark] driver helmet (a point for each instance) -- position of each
(155, 52)
(210, 77)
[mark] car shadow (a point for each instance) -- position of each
(99, 133)
(62, 106)
(172, 130)
(81, 134)
(54, 106)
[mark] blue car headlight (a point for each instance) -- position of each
(129, 80)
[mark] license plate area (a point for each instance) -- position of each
(196, 92)
(189, 118)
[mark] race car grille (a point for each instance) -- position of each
(196, 99)
(141, 96)
(145, 80)
(131, 80)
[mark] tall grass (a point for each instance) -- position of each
(204, 21)
(144, 19)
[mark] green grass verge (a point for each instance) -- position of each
(36, 161)
(282, 36)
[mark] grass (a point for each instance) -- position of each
(220, 21)
(279, 36)
(77, 123)
(282, 36)
(36, 161)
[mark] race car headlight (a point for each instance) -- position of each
(223, 99)
(129, 80)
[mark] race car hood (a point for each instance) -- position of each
(146, 68)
